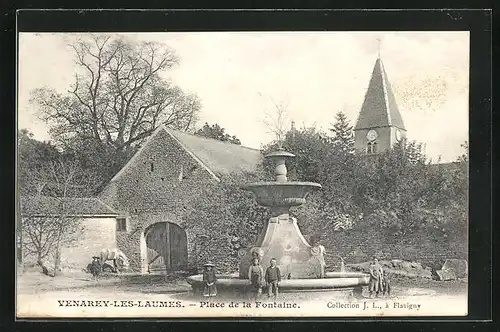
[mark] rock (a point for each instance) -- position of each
(396, 262)
(446, 275)
(416, 265)
(458, 266)
(406, 266)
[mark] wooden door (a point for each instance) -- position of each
(166, 247)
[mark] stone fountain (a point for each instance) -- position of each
(302, 266)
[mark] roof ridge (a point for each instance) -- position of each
(213, 139)
(137, 153)
(386, 92)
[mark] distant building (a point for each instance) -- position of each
(379, 125)
(97, 229)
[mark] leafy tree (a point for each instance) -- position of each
(118, 98)
(310, 149)
(343, 134)
(217, 132)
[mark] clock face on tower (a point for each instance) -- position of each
(372, 135)
(399, 136)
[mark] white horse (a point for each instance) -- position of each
(120, 261)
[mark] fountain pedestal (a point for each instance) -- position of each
(281, 237)
(283, 240)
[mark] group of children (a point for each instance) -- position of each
(256, 275)
(379, 280)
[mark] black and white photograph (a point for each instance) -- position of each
(242, 174)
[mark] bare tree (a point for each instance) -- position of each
(277, 122)
(45, 232)
(118, 97)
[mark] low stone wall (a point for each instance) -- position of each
(358, 245)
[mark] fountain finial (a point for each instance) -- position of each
(279, 156)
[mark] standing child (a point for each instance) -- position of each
(209, 279)
(273, 278)
(386, 284)
(376, 273)
(256, 276)
(95, 267)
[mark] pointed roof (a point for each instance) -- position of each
(216, 157)
(379, 107)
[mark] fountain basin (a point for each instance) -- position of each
(281, 194)
(332, 281)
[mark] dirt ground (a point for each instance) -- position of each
(35, 290)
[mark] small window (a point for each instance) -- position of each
(121, 224)
(371, 147)
(152, 167)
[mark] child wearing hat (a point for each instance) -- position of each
(95, 267)
(256, 276)
(209, 279)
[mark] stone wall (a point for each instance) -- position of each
(157, 186)
(358, 245)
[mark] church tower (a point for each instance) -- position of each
(379, 125)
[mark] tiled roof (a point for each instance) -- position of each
(222, 158)
(217, 157)
(48, 206)
(379, 107)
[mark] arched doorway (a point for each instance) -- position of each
(166, 245)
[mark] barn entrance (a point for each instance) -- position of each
(166, 247)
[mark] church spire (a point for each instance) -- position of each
(379, 107)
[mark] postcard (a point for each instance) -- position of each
(242, 174)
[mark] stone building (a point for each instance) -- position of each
(379, 125)
(157, 184)
(96, 226)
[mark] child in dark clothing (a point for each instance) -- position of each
(256, 276)
(273, 278)
(95, 267)
(386, 284)
(209, 279)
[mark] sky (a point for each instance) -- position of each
(240, 75)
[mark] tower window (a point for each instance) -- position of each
(371, 147)
(152, 167)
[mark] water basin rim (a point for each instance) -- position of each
(313, 283)
(282, 184)
(279, 153)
